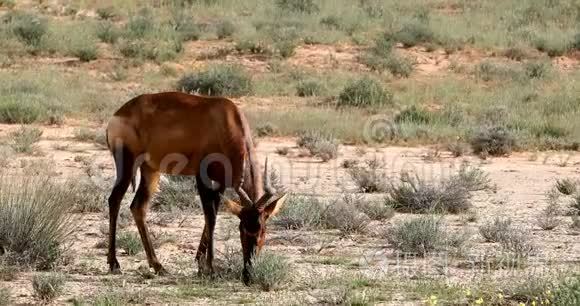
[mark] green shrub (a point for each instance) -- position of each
(298, 6)
(34, 209)
(29, 28)
(421, 236)
(319, 145)
(567, 291)
(365, 92)
(175, 193)
(48, 286)
(383, 46)
(87, 196)
(130, 243)
(24, 139)
(494, 141)
(414, 33)
(489, 71)
(517, 241)
(551, 47)
(222, 80)
(253, 46)
(300, 212)
(8, 272)
(270, 271)
(310, 88)
(225, 29)
(9, 4)
(107, 32)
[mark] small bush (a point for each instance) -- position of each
(414, 33)
(575, 42)
(140, 25)
(85, 50)
(458, 149)
(176, 193)
(270, 271)
(29, 28)
(309, 88)
(494, 141)
(489, 71)
(421, 236)
(4, 296)
(8, 272)
(298, 6)
(516, 53)
(286, 48)
(452, 195)
(300, 212)
(88, 135)
(345, 217)
(548, 218)
(319, 145)
(24, 139)
(49, 286)
(375, 209)
(108, 12)
(537, 70)
(551, 47)
(182, 23)
(8, 4)
(130, 243)
(518, 242)
(368, 179)
(497, 230)
(87, 196)
(567, 186)
(107, 32)
(399, 66)
(365, 92)
(266, 129)
(223, 80)
(575, 203)
(253, 46)
(34, 209)
(414, 114)
(225, 29)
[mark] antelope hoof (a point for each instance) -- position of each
(114, 267)
(161, 271)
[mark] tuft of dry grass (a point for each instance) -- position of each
(48, 286)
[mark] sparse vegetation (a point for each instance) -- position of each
(4, 296)
(48, 286)
(300, 212)
(451, 195)
(368, 179)
(375, 209)
(130, 243)
(497, 230)
(567, 186)
(319, 145)
(176, 193)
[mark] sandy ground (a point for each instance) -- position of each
(522, 181)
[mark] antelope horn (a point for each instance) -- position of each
(269, 191)
(267, 184)
(244, 198)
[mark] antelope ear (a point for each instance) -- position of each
(233, 207)
(274, 207)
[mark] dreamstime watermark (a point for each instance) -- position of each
(311, 175)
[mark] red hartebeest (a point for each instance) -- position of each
(207, 137)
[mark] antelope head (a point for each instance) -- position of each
(253, 217)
